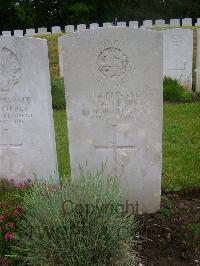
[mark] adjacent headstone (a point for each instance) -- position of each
(27, 141)
(198, 64)
(121, 24)
(43, 31)
(107, 24)
(147, 24)
(178, 54)
(60, 53)
(6, 33)
(175, 22)
(30, 32)
(56, 29)
(69, 28)
(198, 22)
(81, 27)
(94, 25)
(160, 23)
(18, 33)
(133, 24)
(114, 107)
(187, 22)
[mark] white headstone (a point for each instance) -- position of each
(94, 25)
(178, 54)
(60, 57)
(147, 24)
(30, 32)
(133, 24)
(107, 24)
(27, 141)
(175, 22)
(43, 31)
(81, 27)
(198, 22)
(115, 110)
(121, 24)
(198, 64)
(160, 23)
(186, 22)
(56, 29)
(69, 28)
(18, 33)
(6, 33)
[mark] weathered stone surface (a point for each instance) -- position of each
(147, 23)
(6, 33)
(178, 54)
(42, 31)
(113, 80)
(94, 25)
(186, 22)
(27, 141)
(56, 29)
(133, 24)
(160, 22)
(18, 33)
(30, 32)
(81, 27)
(121, 24)
(175, 22)
(69, 28)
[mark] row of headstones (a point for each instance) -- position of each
(114, 101)
(131, 24)
(177, 56)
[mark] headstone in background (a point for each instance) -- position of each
(94, 25)
(178, 55)
(27, 140)
(69, 28)
(81, 27)
(18, 33)
(133, 24)
(114, 99)
(30, 32)
(186, 22)
(198, 64)
(147, 24)
(175, 22)
(121, 24)
(43, 31)
(6, 33)
(56, 29)
(107, 24)
(198, 22)
(160, 23)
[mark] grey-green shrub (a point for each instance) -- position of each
(81, 224)
(174, 91)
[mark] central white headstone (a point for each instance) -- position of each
(113, 79)
(27, 141)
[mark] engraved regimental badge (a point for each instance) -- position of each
(112, 61)
(9, 70)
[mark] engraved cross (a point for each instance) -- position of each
(114, 147)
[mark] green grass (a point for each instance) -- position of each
(181, 145)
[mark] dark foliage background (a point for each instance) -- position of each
(37, 13)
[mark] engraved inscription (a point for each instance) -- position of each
(119, 104)
(14, 110)
(115, 148)
(9, 70)
(112, 60)
(177, 40)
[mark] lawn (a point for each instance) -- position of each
(181, 146)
